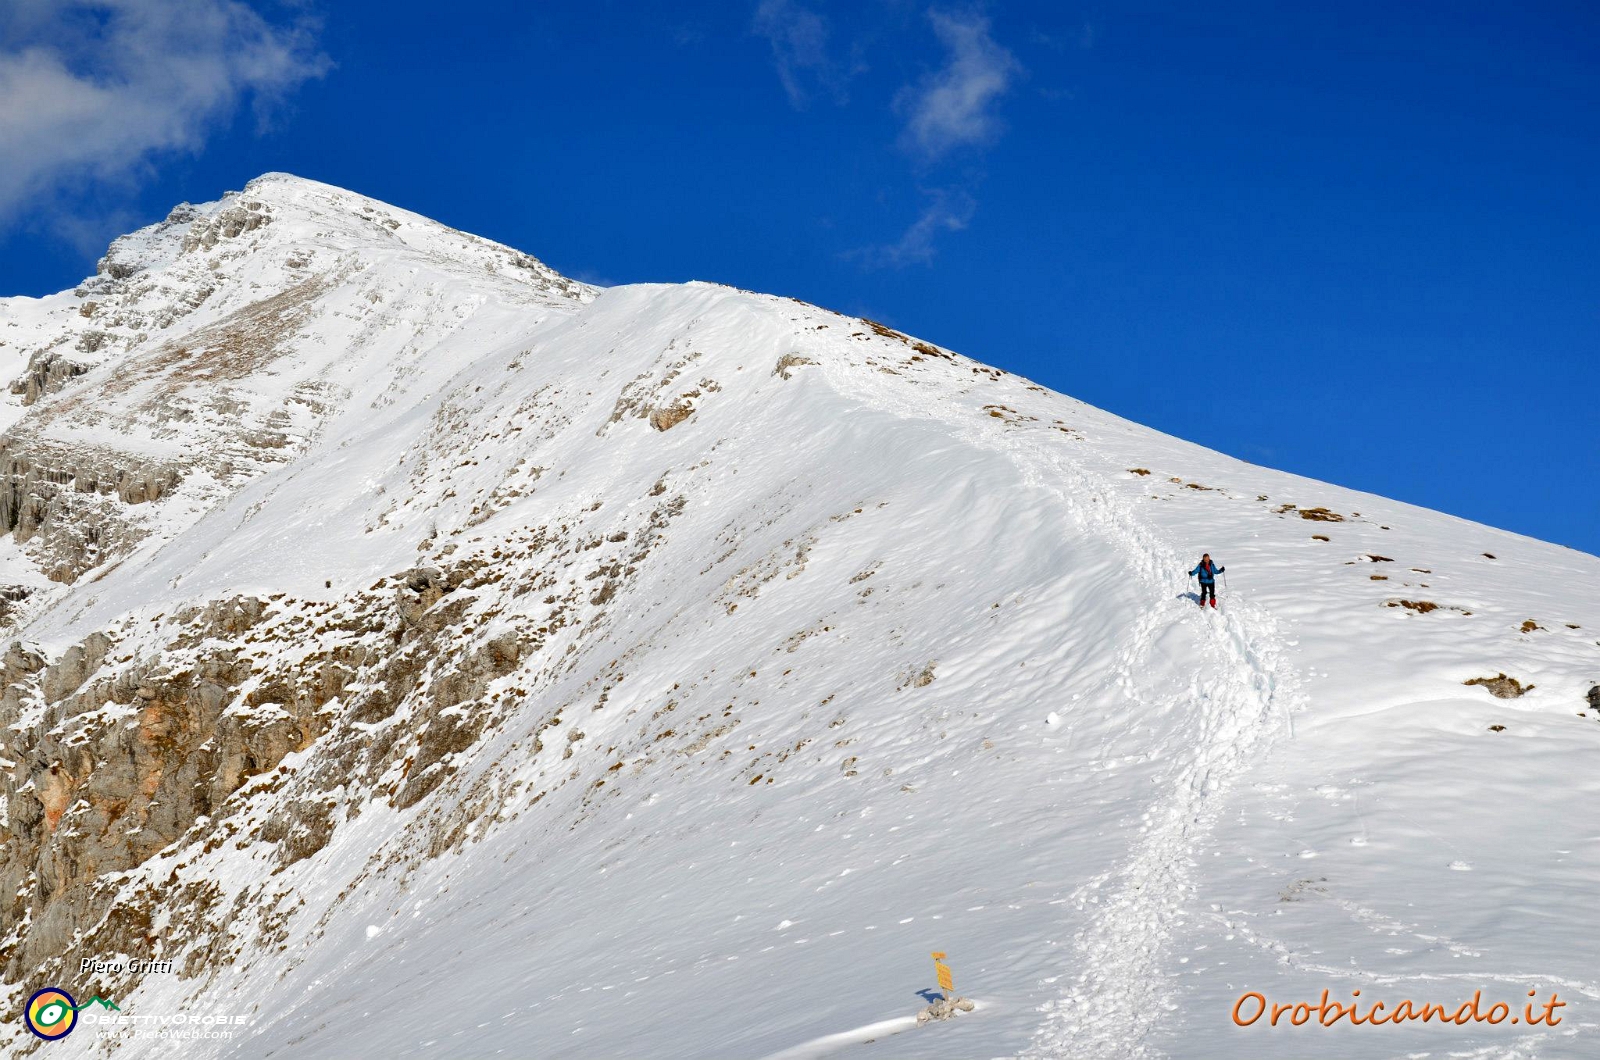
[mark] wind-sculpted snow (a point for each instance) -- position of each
(505, 667)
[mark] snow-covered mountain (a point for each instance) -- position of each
(430, 655)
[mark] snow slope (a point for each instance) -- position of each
(672, 668)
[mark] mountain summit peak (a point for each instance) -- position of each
(296, 217)
(378, 600)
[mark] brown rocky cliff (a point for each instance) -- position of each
(115, 759)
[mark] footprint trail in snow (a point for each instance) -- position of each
(1241, 695)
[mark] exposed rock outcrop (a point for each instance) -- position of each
(1500, 686)
(264, 725)
(10, 596)
(944, 1008)
(116, 757)
(64, 496)
(231, 223)
(47, 372)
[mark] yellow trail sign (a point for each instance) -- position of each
(942, 972)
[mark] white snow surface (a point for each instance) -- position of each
(959, 695)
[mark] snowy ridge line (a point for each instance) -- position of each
(1118, 998)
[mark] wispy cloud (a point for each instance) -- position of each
(799, 37)
(88, 232)
(947, 210)
(92, 90)
(954, 106)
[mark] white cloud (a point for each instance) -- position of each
(92, 90)
(799, 39)
(951, 108)
(948, 210)
(954, 106)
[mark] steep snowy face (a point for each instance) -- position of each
(217, 344)
(667, 670)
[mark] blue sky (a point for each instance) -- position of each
(1355, 241)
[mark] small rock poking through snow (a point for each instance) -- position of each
(945, 1008)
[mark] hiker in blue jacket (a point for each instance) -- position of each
(1208, 572)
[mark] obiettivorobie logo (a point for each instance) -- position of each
(52, 1013)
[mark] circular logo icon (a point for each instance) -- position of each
(51, 1013)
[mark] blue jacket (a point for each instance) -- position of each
(1208, 572)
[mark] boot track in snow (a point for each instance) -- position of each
(1241, 695)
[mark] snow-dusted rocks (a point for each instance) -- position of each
(215, 344)
(395, 623)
